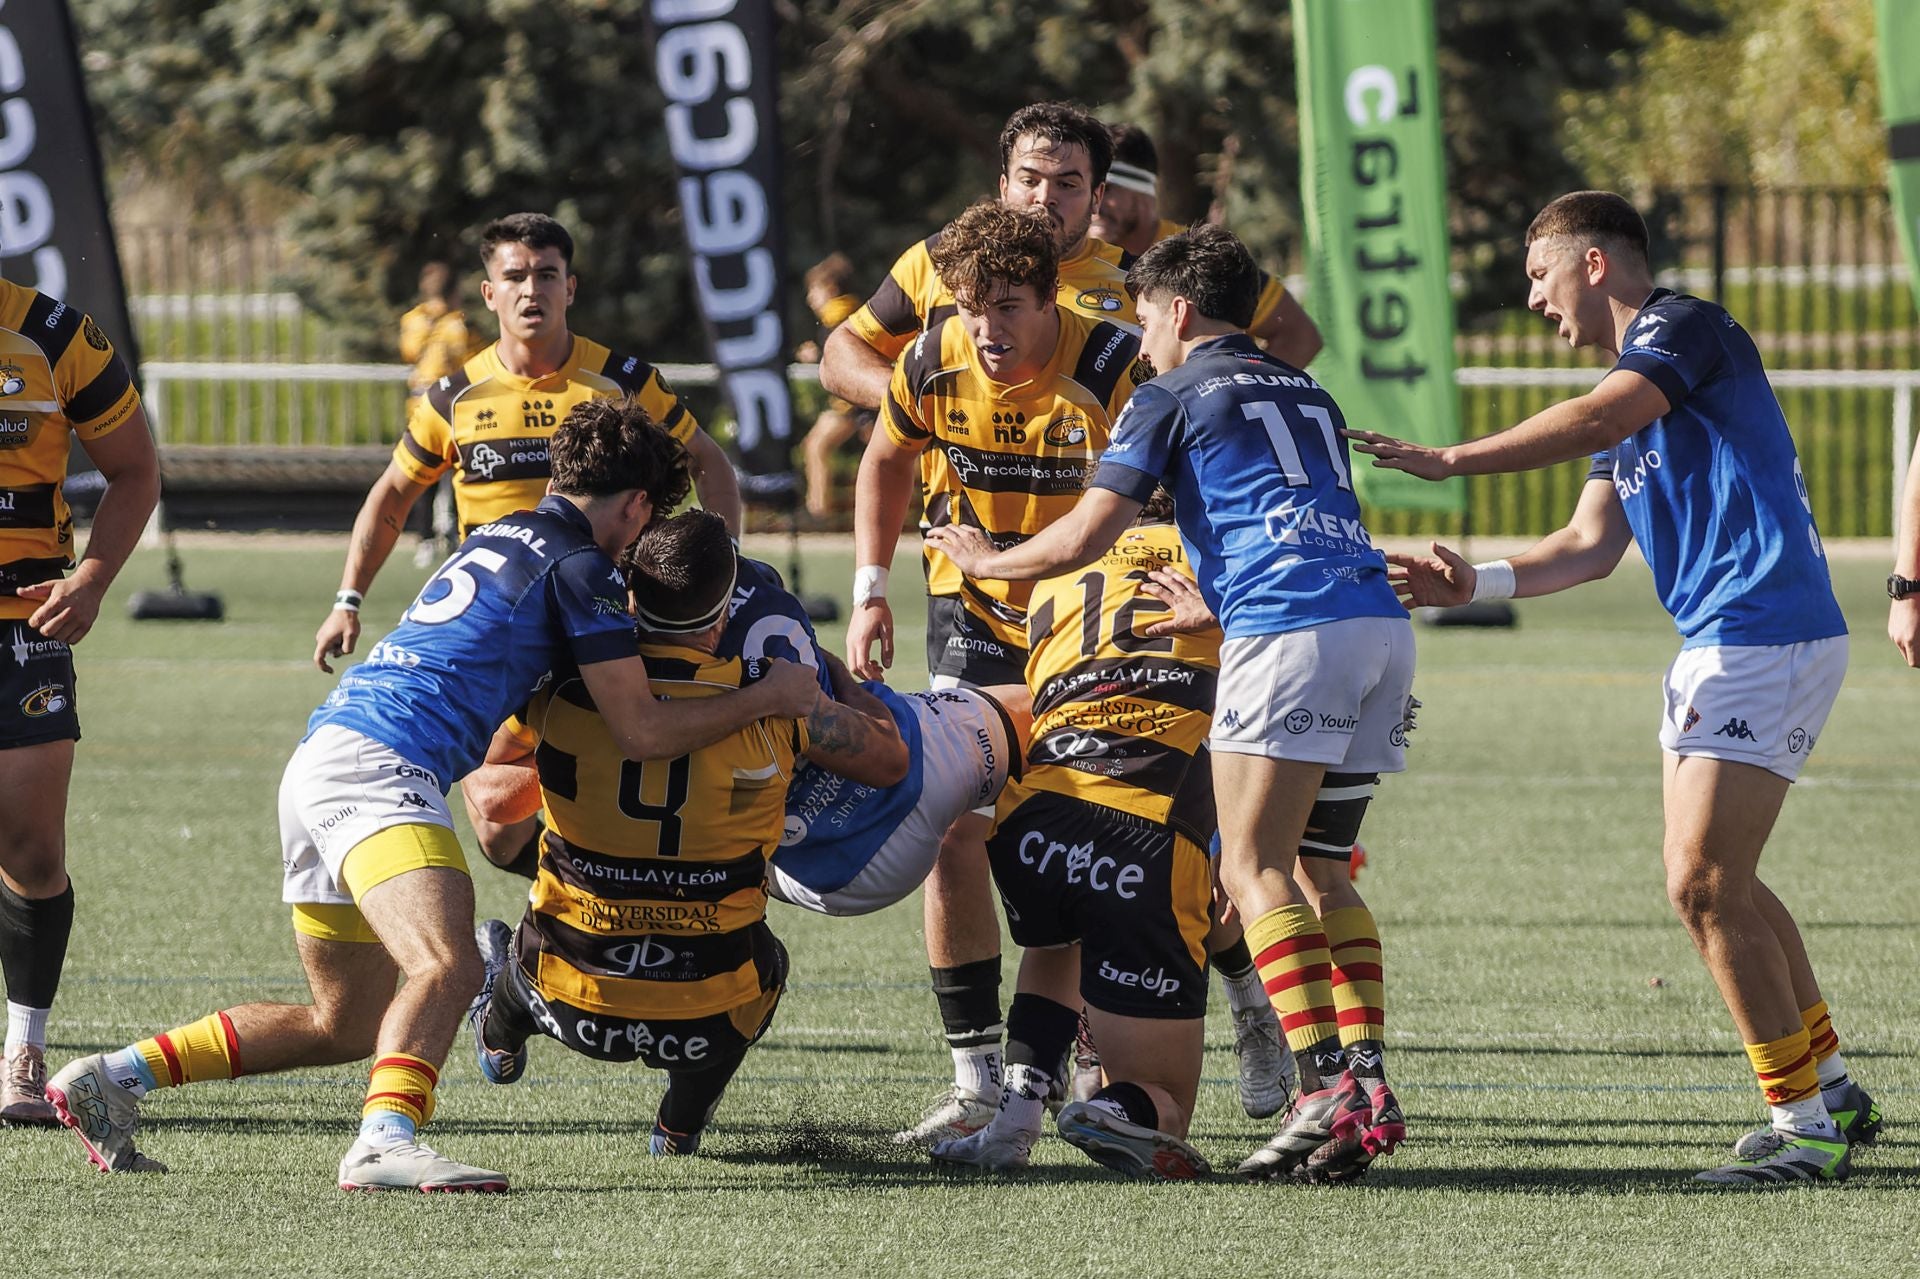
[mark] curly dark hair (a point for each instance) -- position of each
(535, 230)
(1060, 124)
(613, 446)
(1208, 266)
(991, 248)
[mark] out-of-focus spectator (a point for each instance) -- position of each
(831, 298)
(434, 337)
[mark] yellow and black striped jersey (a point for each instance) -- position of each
(1117, 716)
(491, 426)
(1271, 288)
(912, 299)
(59, 377)
(435, 340)
(1006, 459)
(663, 861)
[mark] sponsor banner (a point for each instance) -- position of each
(1373, 175)
(715, 62)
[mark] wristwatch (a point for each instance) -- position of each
(1900, 588)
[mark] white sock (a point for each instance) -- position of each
(1245, 993)
(977, 1070)
(25, 1026)
(1834, 1078)
(128, 1070)
(1808, 1118)
(1024, 1098)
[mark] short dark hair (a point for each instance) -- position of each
(535, 230)
(1158, 508)
(1133, 145)
(1598, 217)
(605, 447)
(1205, 264)
(990, 244)
(681, 572)
(1061, 124)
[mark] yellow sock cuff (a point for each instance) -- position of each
(1785, 1068)
(207, 1049)
(402, 1084)
(1819, 1024)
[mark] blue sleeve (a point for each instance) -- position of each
(1143, 443)
(1675, 348)
(590, 604)
(770, 622)
(1602, 468)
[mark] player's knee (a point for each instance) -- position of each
(36, 861)
(1697, 890)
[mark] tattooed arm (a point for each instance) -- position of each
(855, 738)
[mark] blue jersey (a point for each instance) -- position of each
(519, 597)
(1713, 489)
(765, 620)
(845, 822)
(1251, 450)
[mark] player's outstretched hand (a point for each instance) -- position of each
(965, 545)
(871, 623)
(336, 637)
(1438, 580)
(1903, 628)
(792, 688)
(68, 606)
(1190, 611)
(1390, 454)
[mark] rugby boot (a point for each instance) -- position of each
(102, 1115)
(664, 1141)
(1267, 1069)
(497, 1065)
(1858, 1118)
(996, 1148)
(954, 1113)
(409, 1165)
(1130, 1148)
(1794, 1160)
(1306, 1126)
(23, 1088)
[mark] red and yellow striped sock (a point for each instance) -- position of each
(1359, 985)
(1785, 1069)
(1290, 950)
(208, 1049)
(1822, 1041)
(401, 1085)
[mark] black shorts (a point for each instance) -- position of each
(661, 1043)
(38, 698)
(1135, 894)
(962, 647)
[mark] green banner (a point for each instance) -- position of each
(1375, 190)
(1899, 41)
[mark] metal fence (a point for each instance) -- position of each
(1815, 274)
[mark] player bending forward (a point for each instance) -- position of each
(646, 937)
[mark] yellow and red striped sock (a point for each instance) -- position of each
(1822, 1041)
(207, 1049)
(1359, 984)
(1290, 950)
(1785, 1069)
(401, 1085)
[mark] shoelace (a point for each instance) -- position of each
(27, 1072)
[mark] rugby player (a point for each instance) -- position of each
(1053, 156)
(1100, 858)
(1129, 216)
(1316, 670)
(999, 409)
(646, 938)
(489, 422)
(1903, 586)
(372, 868)
(1692, 460)
(60, 378)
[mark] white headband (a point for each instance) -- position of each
(1133, 178)
(692, 625)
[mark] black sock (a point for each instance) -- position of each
(1329, 1059)
(969, 998)
(33, 944)
(1039, 1032)
(692, 1094)
(1132, 1102)
(1366, 1058)
(510, 1021)
(1233, 961)
(526, 863)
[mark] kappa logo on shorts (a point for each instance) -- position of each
(48, 699)
(1298, 720)
(1230, 718)
(413, 799)
(1736, 729)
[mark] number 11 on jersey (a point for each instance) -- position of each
(1287, 450)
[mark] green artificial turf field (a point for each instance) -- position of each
(1564, 1062)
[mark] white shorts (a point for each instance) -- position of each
(954, 684)
(965, 755)
(1753, 704)
(340, 789)
(1340, 694)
